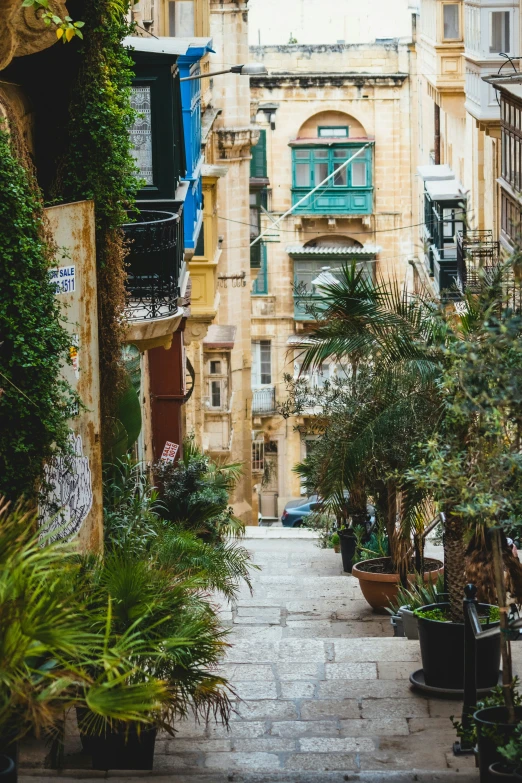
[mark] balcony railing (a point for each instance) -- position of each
(338, 201)
(478, 255)
(264, 401)
(154, 264)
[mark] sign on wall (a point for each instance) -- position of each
(71, 503)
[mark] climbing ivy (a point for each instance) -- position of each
(97, 164)
(35, 402)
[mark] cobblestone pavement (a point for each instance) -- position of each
(322, 688)
(320, 684)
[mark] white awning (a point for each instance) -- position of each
(344, 251)
(434, 172)
(444, 190)
(164, 45)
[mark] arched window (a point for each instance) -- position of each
(331, 149)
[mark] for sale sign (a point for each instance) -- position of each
(64, 279)
(170, 451)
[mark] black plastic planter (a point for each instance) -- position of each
(442, 651)
(493, 731)
(122, 749)
(498, 774)
(348, 546)
(8, 771)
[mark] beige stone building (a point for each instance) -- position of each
(458, 202)
(340, 112)
(212, 391)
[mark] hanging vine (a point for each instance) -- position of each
(97, 164)
(35, 402)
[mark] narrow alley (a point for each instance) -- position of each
(321, 688)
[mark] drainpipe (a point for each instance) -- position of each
(437, 135)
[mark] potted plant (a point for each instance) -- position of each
(509, 770)
(336, 542)
(51, 641)
(497, 739)
(174, 640)
(409, 599)
(471, 465)
(373, 414)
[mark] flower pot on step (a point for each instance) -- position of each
(493, 731)
(122, 747)
(442, 652)
(498, 774)
(8, 771)
(409, 623)
(348, 544)
(379, 587)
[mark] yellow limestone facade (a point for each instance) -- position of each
(457, 114)
(310, 89)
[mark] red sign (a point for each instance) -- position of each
(169, 452)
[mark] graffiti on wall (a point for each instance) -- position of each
(67, 498)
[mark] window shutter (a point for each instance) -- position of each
(258, 167)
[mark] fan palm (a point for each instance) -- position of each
(384, 404)
(51, 642)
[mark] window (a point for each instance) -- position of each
(215, 367)
(451, 20)
(181, 18)
(215, 394)
(261, 363)
(258, 455)
(333, 132)
(500, 32)
(313, 165)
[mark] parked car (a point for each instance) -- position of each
(297, 510)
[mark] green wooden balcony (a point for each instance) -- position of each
(349, 191)
(335, 201)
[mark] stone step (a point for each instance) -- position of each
(386, 776)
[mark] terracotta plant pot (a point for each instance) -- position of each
(337, 548)
(381, 589)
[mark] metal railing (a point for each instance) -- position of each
(154, 264)
(477, 255)
(264, 400)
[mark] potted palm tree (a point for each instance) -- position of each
(472, 468)
(52, 642)
(381, 403)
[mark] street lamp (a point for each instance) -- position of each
(247, 69)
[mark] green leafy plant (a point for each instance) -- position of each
(196, 493)
(322, 523)
(418, 593)
(512, 752)
(443, 615)
(58, 651)
(495, 699)
(134, 522)
(376, 545)
(173, 633)
(376, 410)
(97, 164)
(66, 29)
(335, 539)
(36, 403)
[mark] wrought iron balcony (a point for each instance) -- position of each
(264, 401)
(478, 255)
(154, 264)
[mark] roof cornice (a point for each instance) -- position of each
(313, 79)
